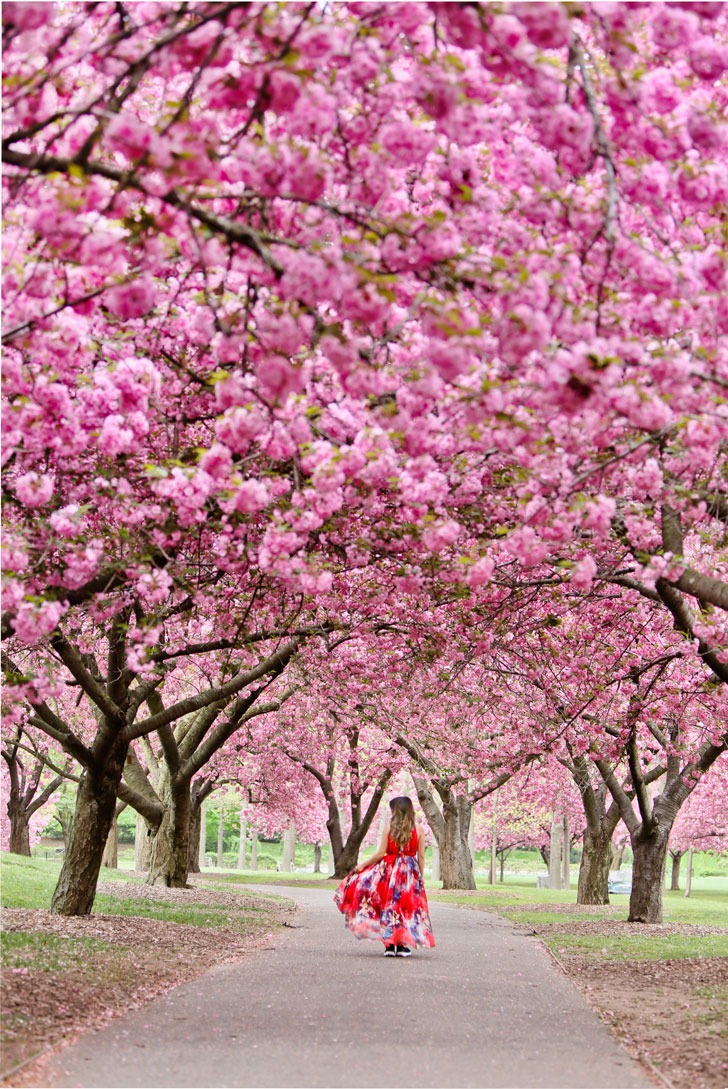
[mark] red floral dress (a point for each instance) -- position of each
(387, 902)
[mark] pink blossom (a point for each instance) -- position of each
(154, 586)
(313, 583)
(34, 490)
(598, 514)
(239, 426)
(563, 126)
(131, 300)
(449, 358)
(217, 461)
(441, 534)
(704, 132)
(712, 266)
(285, 89)
(65, 521)
(547, 25)
(480, 572)
(583, 573)
(673, 28)
(660, 93)
(32, 622)
(251, 496)
(524, 330)
(526, 546)
(406, 143)
(708, 59)
(279, 376)
(114, 438)
(28, 16)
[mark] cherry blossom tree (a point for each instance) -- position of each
(296, 292)
(27, 788)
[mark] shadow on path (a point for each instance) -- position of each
(486, 1008)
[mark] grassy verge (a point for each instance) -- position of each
(62, 974)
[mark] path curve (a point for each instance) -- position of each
(486, 1008)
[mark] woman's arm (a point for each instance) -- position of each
(421, 851)
(380, 852)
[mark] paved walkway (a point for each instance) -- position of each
(486, 1008)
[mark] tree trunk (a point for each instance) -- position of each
(450, 828)
(203, 833)
(596, 859)
(618, 856)
(243, 837)
(64, 816)
(347, 859)
(565, 855)
(19, 827)
(555, 853)
(220, 835)
(95, 810)
(169, 864)
(289, 849)
(317, 858)
(689, 879)
(195, 823)
(142, 844)
(675, 874)
(648, 875)
(494, 843)
(110, 857)
(456, 861)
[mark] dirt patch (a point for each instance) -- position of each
(671, 1014)
(120, 963)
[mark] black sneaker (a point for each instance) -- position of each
(404, 951)
(390, 950)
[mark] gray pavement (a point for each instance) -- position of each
(486, 1008)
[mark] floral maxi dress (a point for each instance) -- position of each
(387, 902)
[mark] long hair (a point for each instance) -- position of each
(403, 820)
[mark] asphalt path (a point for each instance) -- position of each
(486, 1008)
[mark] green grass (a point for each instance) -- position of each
(650, 946)
(30, 882)
(49, 952)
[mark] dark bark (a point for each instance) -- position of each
(95, 810)
(195, 828)
(596, 860)
(675, 874)
(19, 826)
(648, 874)
(456, 861)
(169, 864)
(601, 821)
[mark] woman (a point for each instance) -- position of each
(384, 898)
